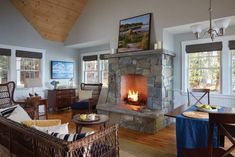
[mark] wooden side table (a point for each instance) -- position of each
(79, 123)
(35, 102)
(44, 102)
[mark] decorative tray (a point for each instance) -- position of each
(87, 119)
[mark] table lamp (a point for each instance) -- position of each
(32, 83)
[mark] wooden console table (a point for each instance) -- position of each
(61, 98)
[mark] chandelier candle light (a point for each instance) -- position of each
(218, 30)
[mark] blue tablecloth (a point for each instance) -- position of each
(192, 133)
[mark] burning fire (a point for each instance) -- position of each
(132, 95)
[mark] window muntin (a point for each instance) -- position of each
(4, 68)
(27, 68)
(233, 71)
(204, 70)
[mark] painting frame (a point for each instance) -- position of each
(62, 69)
(134, 33)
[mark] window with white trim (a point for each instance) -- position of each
(204, 70)
(204, 66)
(28, 65)
(95, 69)
(4, 64)
(91, 71)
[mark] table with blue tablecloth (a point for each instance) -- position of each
(192, 133)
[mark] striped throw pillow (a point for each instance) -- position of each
(71, 137)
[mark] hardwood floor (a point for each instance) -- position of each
(164, 140)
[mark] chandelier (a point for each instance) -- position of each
(213, 31)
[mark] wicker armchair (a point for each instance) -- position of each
(7, 98)
(88, 105)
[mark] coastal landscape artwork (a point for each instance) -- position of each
(62, 70)
(134, 33)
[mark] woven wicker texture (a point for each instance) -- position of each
(29, 142)
(7, 98)
(6, 94)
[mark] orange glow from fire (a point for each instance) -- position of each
(132, 95)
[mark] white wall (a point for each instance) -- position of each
(99, 20)
(16, 31)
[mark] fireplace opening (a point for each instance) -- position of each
(134, 89)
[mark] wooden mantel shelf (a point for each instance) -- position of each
(141, 53)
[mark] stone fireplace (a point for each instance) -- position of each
(148, 75)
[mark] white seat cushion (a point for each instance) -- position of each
(85, 94)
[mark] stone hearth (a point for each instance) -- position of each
(126, 116)
(157, 67)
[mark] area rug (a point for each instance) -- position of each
(133, 149)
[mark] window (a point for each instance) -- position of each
(104, 72)
(4, 68)
(207, 64)
(4, 64)
(231, 46)
(91, 71)
(95, 70)
(28, 65)
(204, 70)
(203, 66)
(233, 71)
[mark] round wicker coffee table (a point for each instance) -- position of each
(101, 121)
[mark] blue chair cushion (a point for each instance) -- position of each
(80, 105)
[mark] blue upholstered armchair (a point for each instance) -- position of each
(87, 99)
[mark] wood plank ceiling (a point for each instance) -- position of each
(53, 19)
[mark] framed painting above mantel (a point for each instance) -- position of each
(134, 33)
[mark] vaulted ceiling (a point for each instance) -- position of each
(53, 19)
